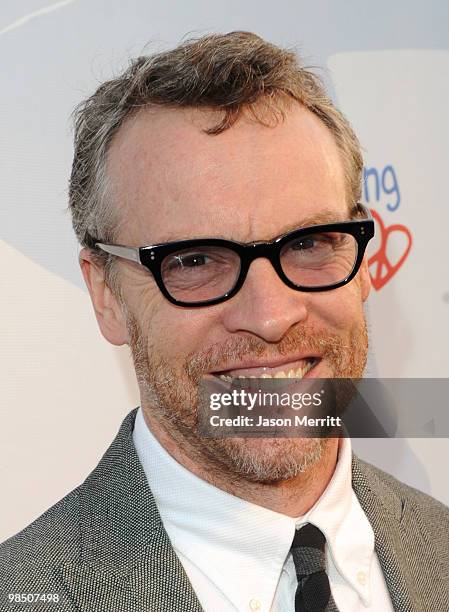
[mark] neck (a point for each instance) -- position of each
(292, 497)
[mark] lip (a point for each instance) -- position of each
(257, 368)
(254, 382)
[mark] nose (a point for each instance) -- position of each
(265, 306)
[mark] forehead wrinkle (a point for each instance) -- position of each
(320, 218)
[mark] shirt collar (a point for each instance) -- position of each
(253, 541)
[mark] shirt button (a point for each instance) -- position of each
(255, 604)
(361, 578)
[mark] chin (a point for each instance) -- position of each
(269, 460)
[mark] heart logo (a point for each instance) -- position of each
(383, 269)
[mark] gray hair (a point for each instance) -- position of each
(224, 72)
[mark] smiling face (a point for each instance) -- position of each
(251, 182)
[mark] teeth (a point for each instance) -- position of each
(298, 373)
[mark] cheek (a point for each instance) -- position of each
(175, 332)
(339, 309)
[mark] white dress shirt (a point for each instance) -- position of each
(237, 555)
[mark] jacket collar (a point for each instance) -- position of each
(387, 512)
(126, 558)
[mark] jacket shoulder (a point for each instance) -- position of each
(430, 509)
(29, 558)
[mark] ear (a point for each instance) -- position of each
(365, 279)
(108, 311)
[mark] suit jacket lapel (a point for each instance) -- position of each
(126, 558)
(386, 512)
(157, 583)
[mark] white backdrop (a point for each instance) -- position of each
(64, 390)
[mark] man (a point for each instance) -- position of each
(225, 137)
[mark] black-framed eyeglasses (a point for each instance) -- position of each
(207, 271)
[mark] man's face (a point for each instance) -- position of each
(172, 182)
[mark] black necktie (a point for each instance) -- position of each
(313, 593)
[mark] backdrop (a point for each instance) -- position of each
(65, 390)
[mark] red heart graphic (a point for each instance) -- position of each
(384, 269)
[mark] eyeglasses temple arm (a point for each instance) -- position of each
(131, 253)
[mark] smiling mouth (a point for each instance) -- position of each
(296, 369)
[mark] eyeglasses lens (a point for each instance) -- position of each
(319, 260)
(200, 274)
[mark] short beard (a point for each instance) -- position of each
(170, 391)
(266, 460)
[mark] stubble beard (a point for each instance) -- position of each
(169, 394)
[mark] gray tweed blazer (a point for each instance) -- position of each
(103, 547)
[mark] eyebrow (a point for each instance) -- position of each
(323, 217)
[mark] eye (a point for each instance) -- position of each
(316, 241)
(191, 260)
(305, 243)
